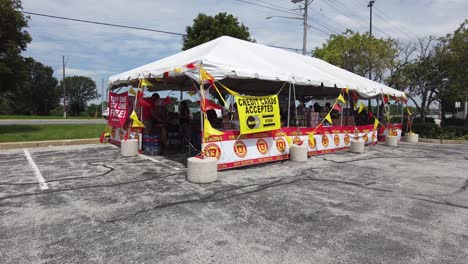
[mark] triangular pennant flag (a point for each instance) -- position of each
(208, 130)
(311, 136)
(101, 138)
(191, 66)
(136, 122)
(361, 107)
(288, 139)
(206, 76)
(167, 100)
(341, 98)
(131, 91)
(376, 124)
(347, 90)
(145, 82)
(409, 112)
(385, 99)
(328, 118)
(337, 107)
(209, 105)
(177, 70)
(355, 97)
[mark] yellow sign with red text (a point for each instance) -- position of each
(258, 113)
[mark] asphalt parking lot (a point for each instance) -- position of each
(90, 205)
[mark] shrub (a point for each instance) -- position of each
(453, 121)
(427, 130)
(428, 120)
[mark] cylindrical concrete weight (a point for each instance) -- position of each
(391, 141)
(202, 170)
(298, 153)
(357, 146)
(412, 138)
(129, 147)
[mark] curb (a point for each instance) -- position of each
(443, 141)
(48, 143)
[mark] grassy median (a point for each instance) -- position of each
(18, 133)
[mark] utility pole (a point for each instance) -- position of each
(371, 3)
(304, 37)
(102, 96)
(305, 24)
(64, 90)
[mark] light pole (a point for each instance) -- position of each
(304, 37)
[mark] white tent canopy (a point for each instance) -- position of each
(234, 59)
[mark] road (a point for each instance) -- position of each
(88, 204)
(50, 121)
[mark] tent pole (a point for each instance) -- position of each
(289, 104)
(341, 119)
(378, 108)
(295, 108)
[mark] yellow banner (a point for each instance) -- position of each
(258, 113)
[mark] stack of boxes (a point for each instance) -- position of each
(312, 118)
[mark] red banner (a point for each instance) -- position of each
(118, 109)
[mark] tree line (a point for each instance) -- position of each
(28, 87)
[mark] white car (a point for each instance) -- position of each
(105, 113)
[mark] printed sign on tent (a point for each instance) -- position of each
(118, 109)
(258, 113)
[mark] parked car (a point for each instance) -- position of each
(105, 113)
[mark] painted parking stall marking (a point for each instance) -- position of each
(37, 172)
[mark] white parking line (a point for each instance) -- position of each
(37, 172)
(154, 160)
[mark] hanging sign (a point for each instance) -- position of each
(258, 113)
(118, 109)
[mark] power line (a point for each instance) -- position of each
(285, 11)
(105, 24)
(128, 27)
(399, 28)
(348, 12)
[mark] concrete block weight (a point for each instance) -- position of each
(202, 170)
(129, 147)
(391, 141)
(357, 146)
(298, 153)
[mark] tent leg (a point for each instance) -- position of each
(378, 108)
(289, 104)
(295, 108)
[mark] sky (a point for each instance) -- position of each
(99, 51)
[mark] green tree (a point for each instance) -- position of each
(80, 90)
(93, 110)
(359, 53)
(206, 28)
(452, 55)
(38, 93)
(13, 40)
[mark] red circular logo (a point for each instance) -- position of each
(262, 146)
(312, 142)
(240, 149)
(366, 137)
(336, 140)
(213, 150)
(281, 144)
(325, 140)
(346, 139)
(393, 132)
(296, 140)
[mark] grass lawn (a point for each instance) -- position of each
(44, 117)
(17, 133)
